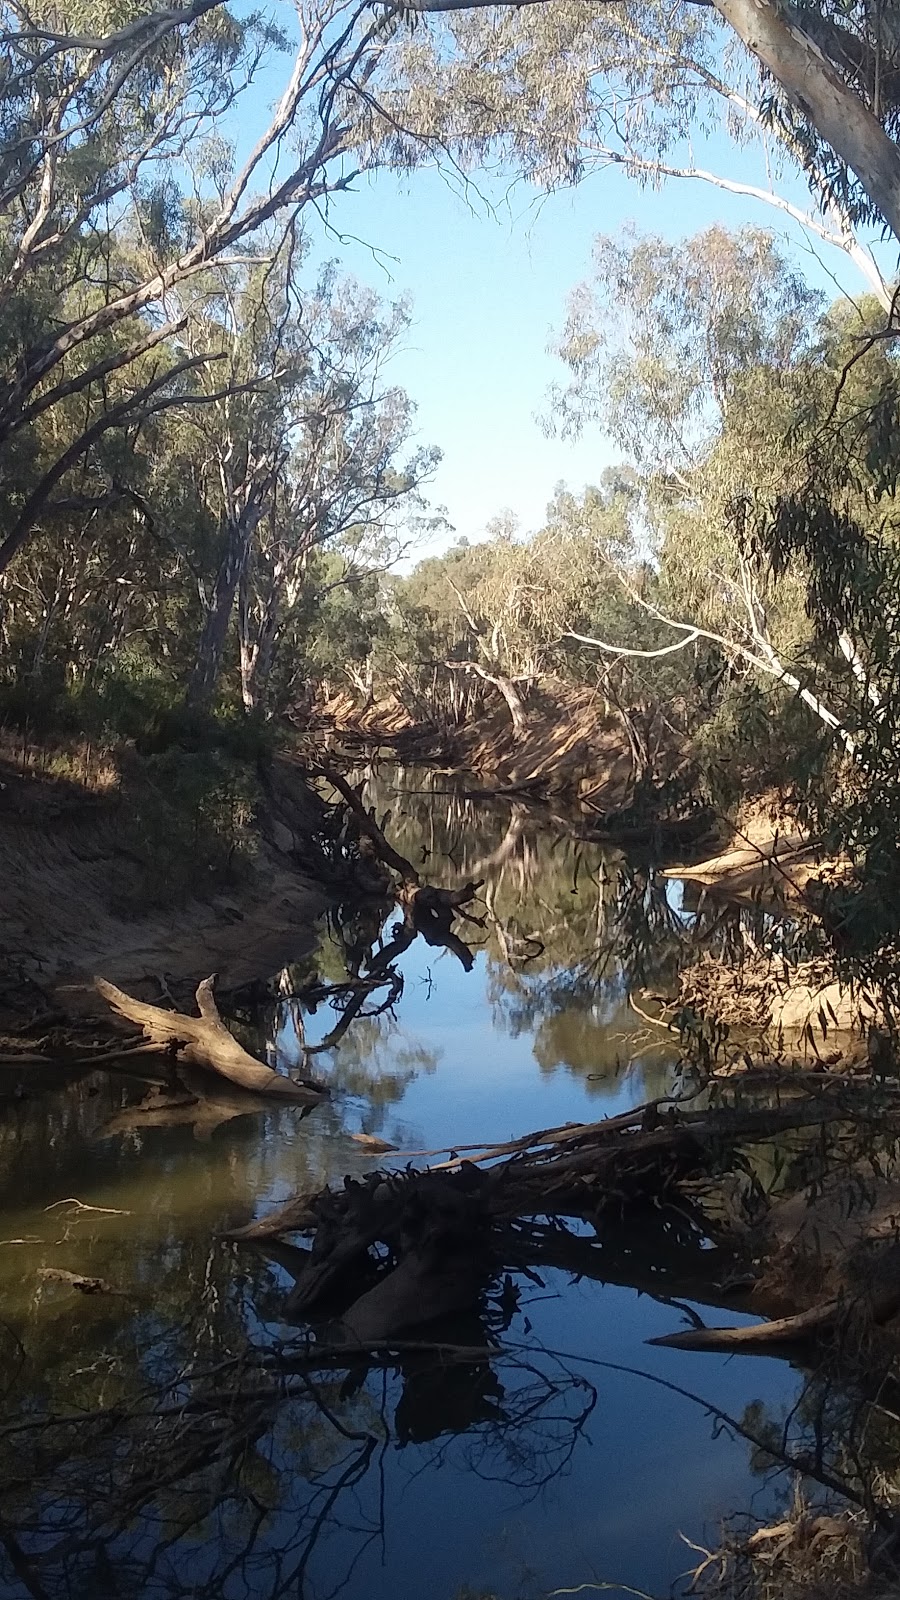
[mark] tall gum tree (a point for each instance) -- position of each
(718, 375)
(351, 477)
(117, 190)
(302, 443)
(565, 87)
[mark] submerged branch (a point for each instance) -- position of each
(399, 1249)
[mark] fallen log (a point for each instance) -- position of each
(395, 1249)
(429, 1282)
(755, 1336)
(205, 1042)
(863, 1307)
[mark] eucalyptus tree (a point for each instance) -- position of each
(501, 615)
(735, 392)
(564, 90)
(662, 338)
(350, 478)
(342, 631)
(117, 191)
(826, 74)
(307, 444)
(104, 565)
(828, 71)
(254, 358)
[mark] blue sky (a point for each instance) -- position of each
(487, 290)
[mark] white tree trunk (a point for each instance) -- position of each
(837, 113)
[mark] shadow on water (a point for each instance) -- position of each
(167, 1433)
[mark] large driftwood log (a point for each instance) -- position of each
(431, 1281)
(866, 1307)
(205, 1042)
(757, 1336)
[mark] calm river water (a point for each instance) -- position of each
(551, 1468)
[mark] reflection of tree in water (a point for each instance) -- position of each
(175, 1440)
(376, 1063)
(223, 1468)
(341, 1005)
(571, 930)
(233, 1458)
(540, 874)
(601, 927)
(843, 1430)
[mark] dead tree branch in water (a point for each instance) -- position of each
(428, 910)
(205, 1042)
(369, 826)
(399, 1249)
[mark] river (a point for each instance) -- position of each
(581, 1456)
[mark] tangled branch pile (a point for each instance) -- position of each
(399, 1249)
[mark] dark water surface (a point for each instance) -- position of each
(543, 1470)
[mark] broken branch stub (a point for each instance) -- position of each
(205, 1042)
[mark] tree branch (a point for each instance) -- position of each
(841, 238)
(132, 408)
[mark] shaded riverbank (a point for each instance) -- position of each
(83, 895)
(571, 745)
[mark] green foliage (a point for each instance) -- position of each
(192, 568)
(752, 744)
(146, 711)
(179, 786)
(853, 593)
(662, 341)
(561, 91)
(187, 824)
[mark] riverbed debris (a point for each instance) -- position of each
(777, 1003)
(77, 1280)
(810, 1554)
(403, 1247)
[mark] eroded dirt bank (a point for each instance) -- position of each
(64, 916)
(572, 745)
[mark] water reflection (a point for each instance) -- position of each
(173, 1438)
(567, 931)
(230, 1483)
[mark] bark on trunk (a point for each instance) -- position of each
(211, 649)
(504, 685)
(258, 646)
(511, 695)
(834, 109)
